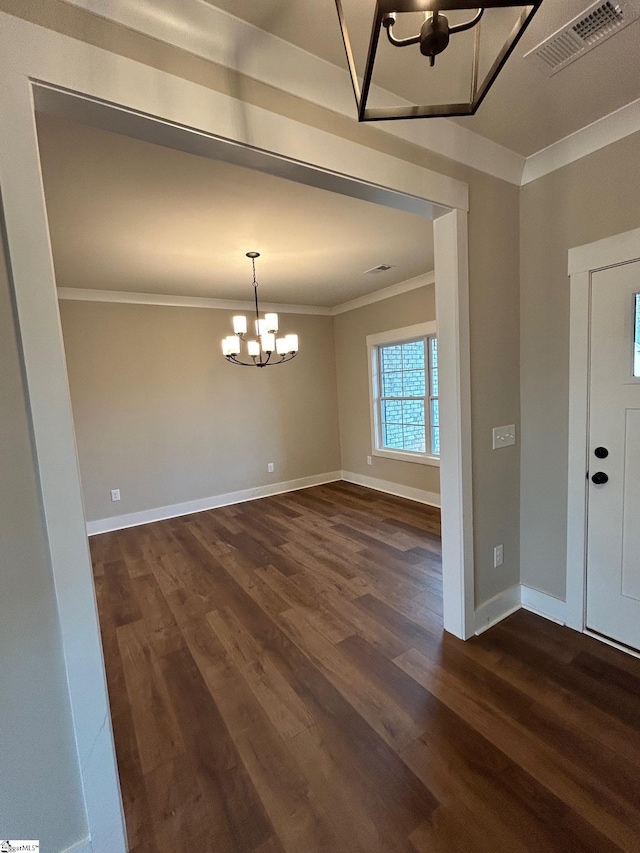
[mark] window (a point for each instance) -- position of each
(404, 394)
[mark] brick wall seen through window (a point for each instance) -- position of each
(408, 396)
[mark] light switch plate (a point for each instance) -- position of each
(504, 436)
(115, 494)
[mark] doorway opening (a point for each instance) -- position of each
(53, 432)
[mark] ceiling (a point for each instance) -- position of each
(524, 111)
(127, 215)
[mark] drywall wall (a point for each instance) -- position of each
(40, 793)
(350, 333)
(593, 198)
(162, 416)
(493, 266)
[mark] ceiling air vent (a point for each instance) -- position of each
(379, 268)
(583, 33)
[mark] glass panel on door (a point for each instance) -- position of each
(636, 339)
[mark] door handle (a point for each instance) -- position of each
(600, 478)
(601, 452)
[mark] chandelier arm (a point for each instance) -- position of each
(399, 42)
(288, 357)
(235, 360)
(459, 28)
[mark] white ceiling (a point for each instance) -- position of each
(524, 111)
(127, 215)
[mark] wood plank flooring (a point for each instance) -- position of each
(280, 681)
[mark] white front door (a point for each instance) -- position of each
(613, 545)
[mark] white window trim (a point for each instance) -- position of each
(420, 330)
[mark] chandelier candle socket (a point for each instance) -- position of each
(260, 351)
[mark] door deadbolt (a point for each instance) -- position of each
(600, 478)
(601, 452)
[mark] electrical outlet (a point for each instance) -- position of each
(115, 494)
(270, 467)
(498, 556)
(369, 461)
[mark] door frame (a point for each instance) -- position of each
(583, 262)
(36, 62)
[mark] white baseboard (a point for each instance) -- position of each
(419, 495)
(519, 596)
(497, 608)
(543, 604)
(133, 519)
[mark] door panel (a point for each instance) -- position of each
(631, 522)
(613, 545)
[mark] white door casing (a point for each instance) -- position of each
(585, 263)
(613, 527)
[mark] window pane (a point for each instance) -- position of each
(413, 383)
(435, 413)
(404, 373)
(636, 343)
(413, 356)
(392, 436)
(391, 358)
(413, 412)
(414, 438)
(392, 411)
(392, 384)
(435, 441)
(433, 343)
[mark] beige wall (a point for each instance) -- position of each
(593, 198)
(350, 332)
(40, 794)
(161, 415)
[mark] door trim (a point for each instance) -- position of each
(583, 262)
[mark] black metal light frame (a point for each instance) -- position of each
(479, 91)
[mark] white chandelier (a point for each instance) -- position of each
(266, 348)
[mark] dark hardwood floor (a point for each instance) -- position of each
(280, 681)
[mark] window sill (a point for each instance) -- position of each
(407, 456)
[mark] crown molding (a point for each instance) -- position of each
(211, 33)
(78, 294)
(122, 297)
(386, 293)
(605, 131)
